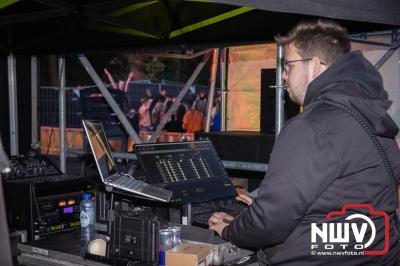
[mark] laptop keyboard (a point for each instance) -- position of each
(201, 211)
(129, 183)
(126, 181)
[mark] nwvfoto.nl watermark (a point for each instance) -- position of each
(334, 238)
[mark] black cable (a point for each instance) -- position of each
(35, 201)
(51, 135)
(53, 118)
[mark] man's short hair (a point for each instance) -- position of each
(323, 38)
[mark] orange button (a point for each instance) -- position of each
(62, 203)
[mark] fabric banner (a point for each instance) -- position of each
(244, 84)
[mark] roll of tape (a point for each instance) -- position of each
(97, 247)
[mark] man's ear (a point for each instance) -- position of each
(318, 67)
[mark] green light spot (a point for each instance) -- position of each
(201, 1)
(4, 3)
(210, 21)
(130, 8)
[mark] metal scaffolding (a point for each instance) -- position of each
(13, 104)
(214, 66)
(62, 113)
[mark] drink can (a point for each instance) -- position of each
(165, 243)
(176, 235)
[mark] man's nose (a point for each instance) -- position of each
(284, 75)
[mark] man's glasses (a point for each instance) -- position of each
(287, 64)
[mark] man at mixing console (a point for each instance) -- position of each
(329, 195)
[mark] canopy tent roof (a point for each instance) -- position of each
(59, 26)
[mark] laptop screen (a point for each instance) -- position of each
(192, 170)
(180, 161)
(100, 148)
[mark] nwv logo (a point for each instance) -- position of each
(331, 236)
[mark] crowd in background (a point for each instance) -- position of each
(189, 117)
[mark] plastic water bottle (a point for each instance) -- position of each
(88, 220)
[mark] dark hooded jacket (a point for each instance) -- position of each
(322, 160)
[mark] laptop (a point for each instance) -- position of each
(192, 170)
(108, 171)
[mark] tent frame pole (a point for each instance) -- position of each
(34, 102)
(279, 100)
(386, 56)
(223, 87)
(214, 67)
(13, 104)
(62, 113)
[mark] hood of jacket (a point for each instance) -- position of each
(355, 82)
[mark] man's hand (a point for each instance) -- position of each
(244, 198)
(218, 221)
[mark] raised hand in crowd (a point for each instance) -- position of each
(130, 76)
(111, 79)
